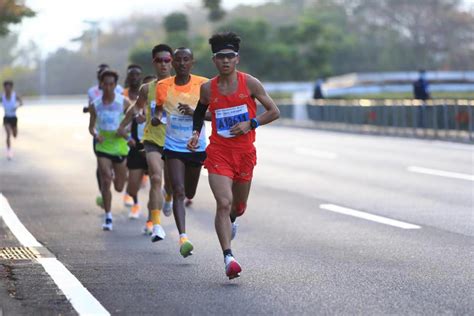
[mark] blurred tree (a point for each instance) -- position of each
(216, 13)
(176, 22)
(11, 12)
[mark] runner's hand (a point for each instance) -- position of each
(132, 142)
(140, 118)
(193, 142)
(240, 128)
(100, 139)
(121, 132)
(185, 109)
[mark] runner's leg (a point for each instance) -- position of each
(176, 171)
(221, 187)
(105, 170)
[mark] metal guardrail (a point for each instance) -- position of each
(437, 118)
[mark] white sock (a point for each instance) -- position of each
(183, 235)
(108, 215)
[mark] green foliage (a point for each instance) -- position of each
(12, 13)
(176, 22)
(216, 13)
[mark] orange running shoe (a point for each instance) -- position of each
(134, 212)
(127, 200)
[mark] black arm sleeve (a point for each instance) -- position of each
(198, 117)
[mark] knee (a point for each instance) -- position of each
(239, 208)
(105, 180)
(155, 180)
(119, 186)
(223, 205)
(178, 192)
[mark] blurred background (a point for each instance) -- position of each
(56, 47)
(308, 53)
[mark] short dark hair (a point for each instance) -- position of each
(109, 73)
(8, 82)
(224, 40)
(131, 66)
(183, 48)
(149, 78)
(161, 48)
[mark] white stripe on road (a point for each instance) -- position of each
(315, 153)
(367, 216)
(441, 173)
(79, 297)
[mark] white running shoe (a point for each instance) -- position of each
(158, 233)
(234, 230)
(107, 226)
(167, 206)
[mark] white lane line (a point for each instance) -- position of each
(367, 216)
(79, 297)
(315, 153)
(441, 173)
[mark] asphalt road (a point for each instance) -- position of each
(298, 255)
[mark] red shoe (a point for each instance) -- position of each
(232, 267)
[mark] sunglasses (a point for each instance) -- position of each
(165, 60)
(229, 55)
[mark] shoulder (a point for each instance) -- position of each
(199, 79)
(253, 83)
(165, 82)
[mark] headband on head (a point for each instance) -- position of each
(218, 47)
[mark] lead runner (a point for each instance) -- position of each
(231, 154)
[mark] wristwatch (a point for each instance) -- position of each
(254, 123)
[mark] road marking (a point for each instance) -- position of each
(441, 173)
(367, 216)
(315, 153)
(79, 297)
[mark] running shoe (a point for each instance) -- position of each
(134, 212)
(188, 202)
(107, 226)
(167, 205)
(127, 200)
(158, 233)
(186, 247)
(148, 229)
(99, 201)
(232, 267)
(234, 230)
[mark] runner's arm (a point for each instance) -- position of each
(20, 100)
(258, 91)
(135, 107)
(92, 120)
(199, 115)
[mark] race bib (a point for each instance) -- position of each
(109, 120)
(180, 126)
(226, 118)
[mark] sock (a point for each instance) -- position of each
(135, 199)
(228, 252)
(183, 238)
(155, 217)
(233, 218)
(168, 197)
(108, 215)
